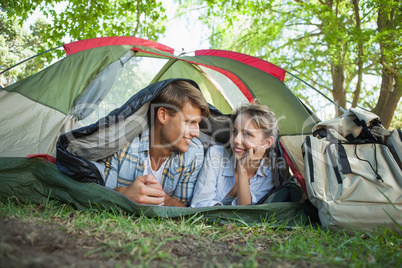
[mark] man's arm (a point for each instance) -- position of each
(172, 202)
(111, 171)
(183, 192)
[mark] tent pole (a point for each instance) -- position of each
(340, 108)
(29, 59)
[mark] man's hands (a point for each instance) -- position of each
(147, 190)
(144, 190)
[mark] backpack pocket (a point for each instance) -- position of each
(368, 173)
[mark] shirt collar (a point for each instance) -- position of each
(144, 144)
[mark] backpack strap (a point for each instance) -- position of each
(321, 132)
(366, 135)
(310, 158)
(275, 169)
(343, 159)
(335, 167)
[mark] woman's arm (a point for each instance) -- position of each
(246, 168)
(205, 194)
(243, 186)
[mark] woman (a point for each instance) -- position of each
(239, 175)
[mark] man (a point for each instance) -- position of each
(160, 167)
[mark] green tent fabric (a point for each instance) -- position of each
(35, 181)
(35, 111)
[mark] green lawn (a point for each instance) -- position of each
(114, 239)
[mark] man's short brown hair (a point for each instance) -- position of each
(178, 93)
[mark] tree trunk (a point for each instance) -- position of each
(391, 88)
(338, 87)
(356, 94)
(388, 113)
(389, 98)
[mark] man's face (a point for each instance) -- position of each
(181, 128)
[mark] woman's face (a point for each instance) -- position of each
(246, 135)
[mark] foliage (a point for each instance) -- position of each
(88, 19)
(16, 44)
(327, 43)
(390, 35)
(397, 121)
(70, 20)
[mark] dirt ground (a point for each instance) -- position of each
(25, 244)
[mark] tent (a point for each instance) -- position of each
(37, 110)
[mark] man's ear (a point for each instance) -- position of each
(161, 115)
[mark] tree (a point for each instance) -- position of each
(16, 44)
(70, 20)
(389, 18)
(338, 46)
(89, 19)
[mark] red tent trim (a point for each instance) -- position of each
(81, 45)
(293, 168)
(45, 157)
(260, 64)
(236, 80)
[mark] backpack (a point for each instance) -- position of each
(353, 172)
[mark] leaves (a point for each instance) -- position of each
(17, 44)
(75, 20)
(70, 21)
(313, 38)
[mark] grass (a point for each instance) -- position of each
(192, 241)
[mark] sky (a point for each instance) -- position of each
(181, 33)
(184, 34)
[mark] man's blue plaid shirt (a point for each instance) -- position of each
(178, 177)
